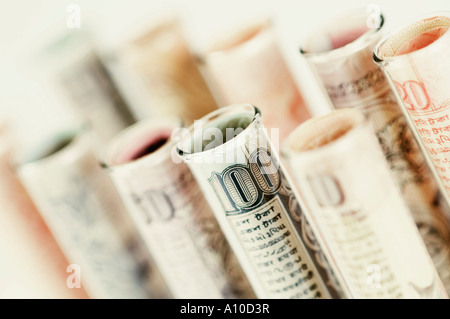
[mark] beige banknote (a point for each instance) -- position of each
(416, 64)
(159, 74)
(172, 214)
(340, 52)
(239, 173)
(340, 171)
(83, 211)
(32, 264)
(78, 70)
(247, 66)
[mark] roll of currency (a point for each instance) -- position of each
(79, 70)
(340, 172)
(340, 53)
(231, 157)
(33, 265)
(82, 209)
(415, 61)
(172, 214)
(161, 75)
(247, 66)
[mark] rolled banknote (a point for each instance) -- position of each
(83, 75)
(340, 53)
(172, 214)
(80, 71)
(231, 157)
(32, 264)
(161, 75)
(415, 61)
(247, 66)
(82, 209)
(340, 172)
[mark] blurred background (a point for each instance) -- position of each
(34, 108)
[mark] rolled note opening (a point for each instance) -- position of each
(237, 38)
(142, 146)
(321, 131)
(151, 147)
(141, 140)
(414, 37)
(342, 31)
(58, 146)
(51, 147)
(217, 128)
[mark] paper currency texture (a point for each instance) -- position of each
(341, 173)
(340, 52)
(415, 61)
(32, 264)
(82, 209)
(231, 157)
(79, 70)
(162, 76)
(247, 66)
(172, 214)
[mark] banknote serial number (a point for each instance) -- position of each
(229, 308)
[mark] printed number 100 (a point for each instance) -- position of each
(242, 187)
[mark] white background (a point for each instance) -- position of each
(25, 24)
